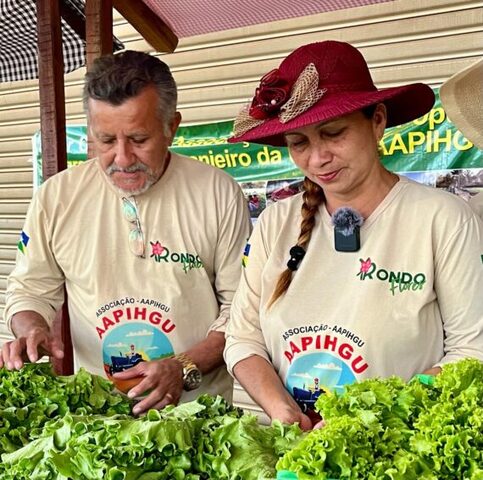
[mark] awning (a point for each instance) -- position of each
(195, 17)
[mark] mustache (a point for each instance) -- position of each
(137, 167)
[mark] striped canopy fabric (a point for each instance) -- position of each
(18, 40)
(188, 18)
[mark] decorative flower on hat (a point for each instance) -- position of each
(270, 95)
(275, 97)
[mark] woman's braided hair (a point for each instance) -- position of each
(313, 197)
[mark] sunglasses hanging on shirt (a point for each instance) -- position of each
(347, 223)
(136, 236)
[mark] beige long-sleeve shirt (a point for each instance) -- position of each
(124, 308)
(411, 298)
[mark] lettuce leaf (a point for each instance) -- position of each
(390, 429)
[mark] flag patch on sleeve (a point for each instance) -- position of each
(23, 242)
(245, 255)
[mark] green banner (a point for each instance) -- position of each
(243, 161)
(431, 142)
(427, 149)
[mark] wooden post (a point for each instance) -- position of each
(51, 88)
(98, 29)
(52, 124)
(98, 39)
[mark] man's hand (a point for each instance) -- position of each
(162, 380)
(30, 347)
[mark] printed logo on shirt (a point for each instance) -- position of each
(398, 281)
(23, 242)
(130, 344)
(129, 309)
(321, 363)
(317, 374)
(246, 253)
(187, 261)
(133, 331)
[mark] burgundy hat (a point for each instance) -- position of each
(317, 83)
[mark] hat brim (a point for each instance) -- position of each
(462, 100)
(403, 104)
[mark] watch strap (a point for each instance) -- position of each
(191, 373)
(185, 361)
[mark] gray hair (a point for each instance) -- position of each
(116, 78)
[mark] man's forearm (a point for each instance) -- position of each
(23, 323)
(208, 354)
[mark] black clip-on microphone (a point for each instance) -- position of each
(347, 223)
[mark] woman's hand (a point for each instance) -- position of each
(432, 371)
(265, 387)
(291, 414)
(319, 424)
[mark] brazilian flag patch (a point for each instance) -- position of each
(245, 255)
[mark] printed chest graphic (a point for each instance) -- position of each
(317, 374)
(398, 282)
(162, 254)
(321, 359)
(132, 332)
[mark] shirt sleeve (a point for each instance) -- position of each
(36, 283)
(459, 289)
(244, 337)
(235, 228)
(476, 203)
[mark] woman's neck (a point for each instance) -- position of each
(367, 200)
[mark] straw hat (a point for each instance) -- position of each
(462, 98)
(319, 82)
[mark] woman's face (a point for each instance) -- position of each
(340, 155)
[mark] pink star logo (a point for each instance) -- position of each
(365, 265)
(157, 248)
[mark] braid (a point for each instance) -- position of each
(313, 196)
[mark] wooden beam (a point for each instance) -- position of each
(157, 33)
(98, 29)
(52, 124)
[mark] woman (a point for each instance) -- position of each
(320, 306)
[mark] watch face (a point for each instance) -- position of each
(192, 379)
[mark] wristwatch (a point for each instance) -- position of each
(191, 373)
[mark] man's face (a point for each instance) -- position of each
(131, 140)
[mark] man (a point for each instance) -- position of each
(147, 243)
